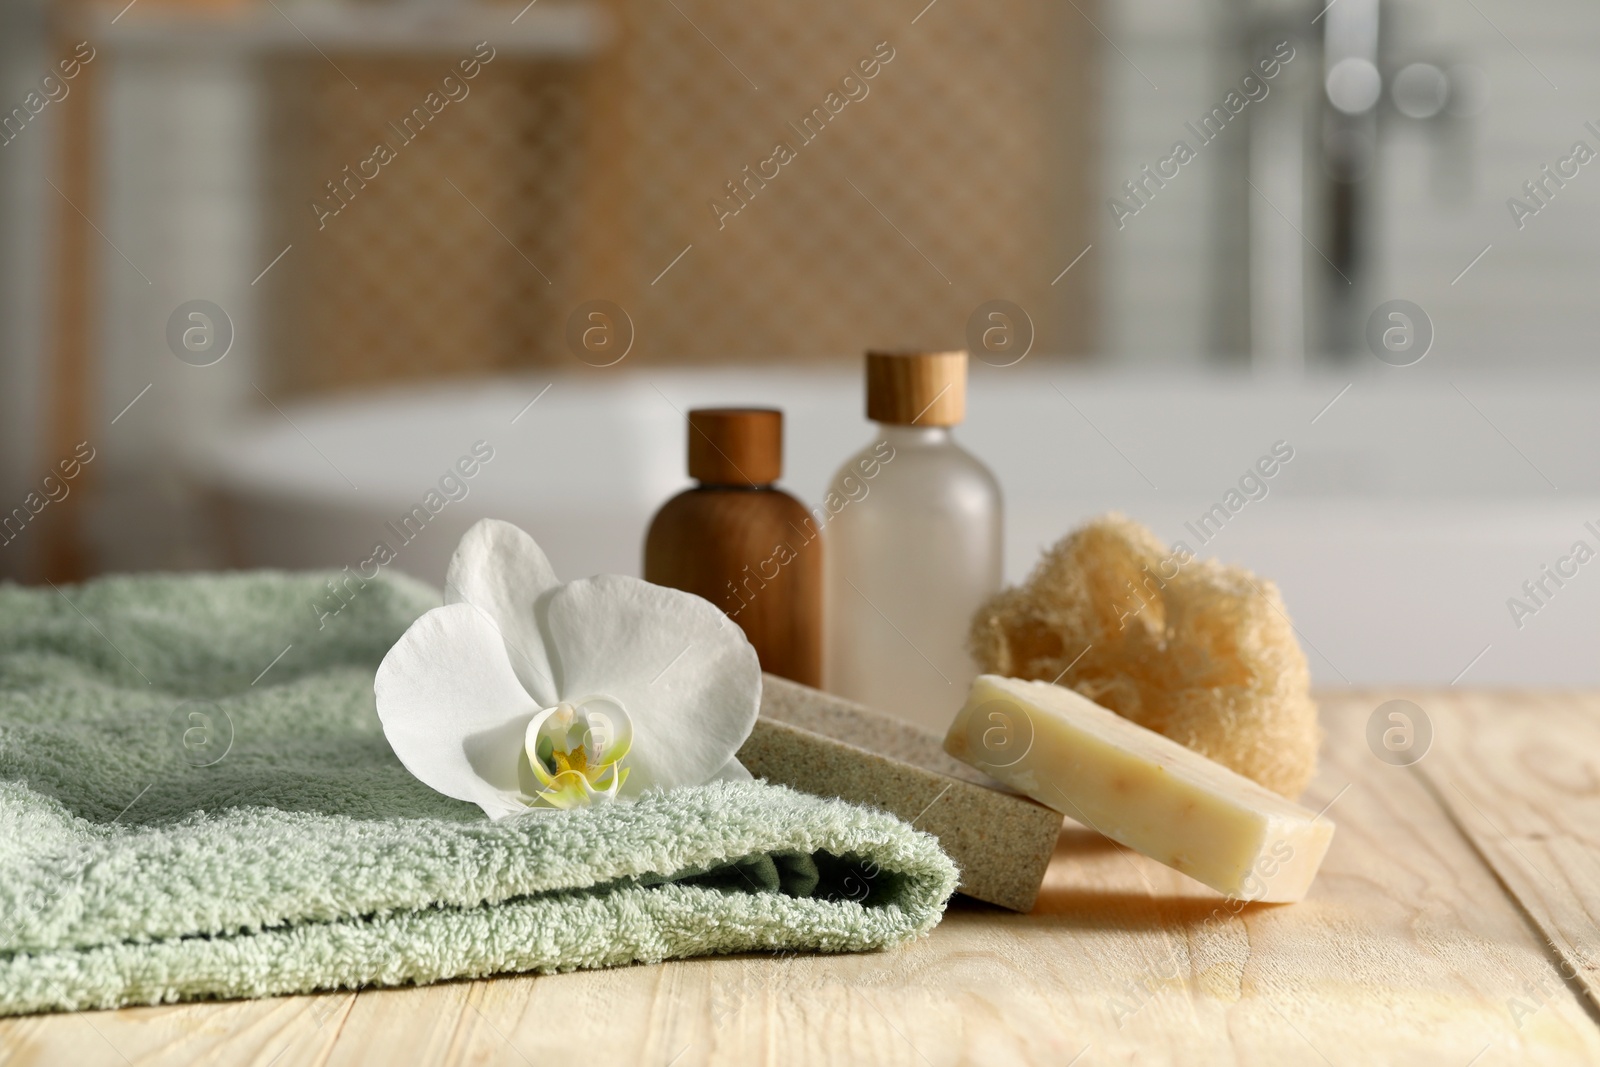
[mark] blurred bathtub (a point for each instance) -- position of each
(1407, 517)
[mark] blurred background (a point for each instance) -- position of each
(269, 268)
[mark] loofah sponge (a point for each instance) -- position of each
(1194, 649)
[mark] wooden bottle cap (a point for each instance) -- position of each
(917, 388)
(736, 446)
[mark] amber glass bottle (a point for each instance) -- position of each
(742, 543)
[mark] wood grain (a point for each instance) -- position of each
(1525, 787)
(1410, 949)
(72, 373)
(917, 388)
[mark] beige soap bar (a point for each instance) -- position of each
(1140, 788)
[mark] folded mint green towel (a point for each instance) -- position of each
(196, 800)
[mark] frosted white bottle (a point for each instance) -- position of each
(914, 545)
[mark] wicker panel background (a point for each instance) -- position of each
(448, 261)
(965, 173)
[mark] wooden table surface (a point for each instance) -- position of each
(1456, 921)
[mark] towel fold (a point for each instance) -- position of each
(196, 799)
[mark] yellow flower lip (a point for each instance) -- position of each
(575, 750)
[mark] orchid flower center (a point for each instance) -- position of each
(575, 750)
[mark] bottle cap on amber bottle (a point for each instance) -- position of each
(915, 388)
(736, 446)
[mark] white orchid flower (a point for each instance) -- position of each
(523, 692)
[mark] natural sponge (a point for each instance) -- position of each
(1194, 649)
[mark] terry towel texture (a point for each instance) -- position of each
(189, 810)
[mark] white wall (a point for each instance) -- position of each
(180, 136)
(1154, 266)
(1528, 303)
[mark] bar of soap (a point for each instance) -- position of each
(818, 743)
(1140, 789)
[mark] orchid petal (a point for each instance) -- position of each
(454, 710)
(501, 571)
(687, 676)
(732, 771)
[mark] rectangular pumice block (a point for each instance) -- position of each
(821, 744)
